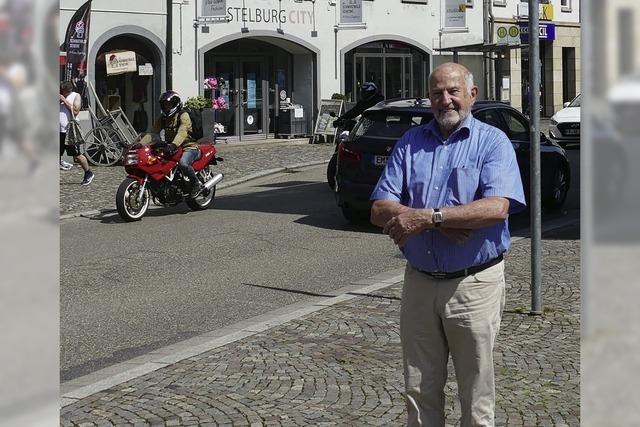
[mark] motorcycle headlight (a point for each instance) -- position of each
(131, 159)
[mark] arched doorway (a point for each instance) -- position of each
(134, 92)
(397, 68)
(262, 75)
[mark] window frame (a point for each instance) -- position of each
(566, 7)
(500, 117)
(522, 119)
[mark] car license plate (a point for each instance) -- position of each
(572, 131)
(380, 160)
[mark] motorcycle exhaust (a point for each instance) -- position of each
(213, 181)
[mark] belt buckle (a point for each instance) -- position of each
(438, 275)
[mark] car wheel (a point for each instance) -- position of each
(354, 216)
(331, 171)
(558, 190)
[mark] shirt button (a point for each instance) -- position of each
(441, 167)
(429, 252)
(436, 188)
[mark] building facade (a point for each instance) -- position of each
(560, 43)
(271, 52)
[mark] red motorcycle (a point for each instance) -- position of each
(153, 174)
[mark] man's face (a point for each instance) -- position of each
(450, 97)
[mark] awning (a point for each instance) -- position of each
(481, 48)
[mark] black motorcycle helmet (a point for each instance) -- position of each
(170, 103)
(367, 90)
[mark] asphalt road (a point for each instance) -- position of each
(127, 289)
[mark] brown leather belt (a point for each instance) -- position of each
(465, 271)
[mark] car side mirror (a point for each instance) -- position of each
(565, 105)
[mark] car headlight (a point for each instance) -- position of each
(553, 121)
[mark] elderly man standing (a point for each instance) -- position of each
(444, 198)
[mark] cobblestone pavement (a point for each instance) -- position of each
(240, 159)
(341, 365)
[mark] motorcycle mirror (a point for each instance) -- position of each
(332, 114)
(343, 136)
(349, 125)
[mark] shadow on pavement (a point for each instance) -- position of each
(291, 198)
(313, 294)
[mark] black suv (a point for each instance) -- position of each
(363, 155)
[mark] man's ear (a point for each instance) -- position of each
(474, 92)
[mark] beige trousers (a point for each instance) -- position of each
(459, 316)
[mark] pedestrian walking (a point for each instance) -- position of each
(13, 125)
(70, 104)
(444, 198)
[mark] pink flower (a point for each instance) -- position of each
(211, 83)
(219, 104)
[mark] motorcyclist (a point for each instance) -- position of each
(369, 96)
(177, 128)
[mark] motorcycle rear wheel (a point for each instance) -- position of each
(127, 200)
(205, 198)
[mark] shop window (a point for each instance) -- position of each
(502, 3)
(415, 1)
(565, 5)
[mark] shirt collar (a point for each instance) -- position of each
(434, 129)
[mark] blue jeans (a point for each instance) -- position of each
(188, 157)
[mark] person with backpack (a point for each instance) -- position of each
(178, 131)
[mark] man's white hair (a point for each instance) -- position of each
(468, 79)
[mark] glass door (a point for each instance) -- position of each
(395, 78)
(251, 98)
(226, 69)
(373, 71)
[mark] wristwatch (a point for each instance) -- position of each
(437, 217)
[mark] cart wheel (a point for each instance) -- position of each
(102, 146)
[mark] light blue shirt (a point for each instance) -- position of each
(427, 171)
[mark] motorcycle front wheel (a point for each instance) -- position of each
(127, 203)
(205, 198)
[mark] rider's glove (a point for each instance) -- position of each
(171, 148)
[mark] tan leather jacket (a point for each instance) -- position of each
(176, 131)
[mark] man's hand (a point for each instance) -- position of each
(458, 235)
(407, 224)
(62, 98)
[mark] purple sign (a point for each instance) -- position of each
(546, 31)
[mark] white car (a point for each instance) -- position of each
(564, 127)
